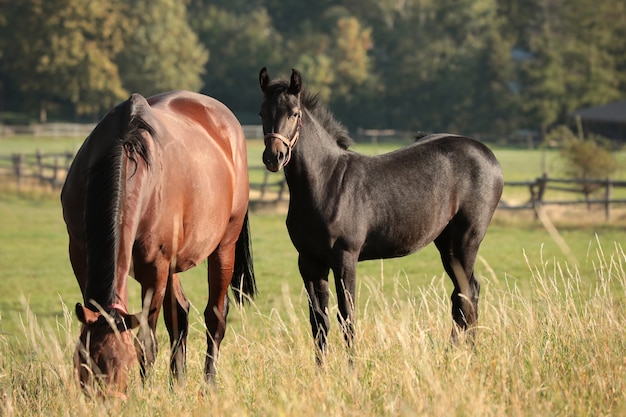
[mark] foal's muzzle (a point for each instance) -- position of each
(277, 151)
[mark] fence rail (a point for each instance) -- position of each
(589, 191)
(38, 168)
(49, 170)
(41, 169)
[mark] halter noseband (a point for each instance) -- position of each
(289, 143)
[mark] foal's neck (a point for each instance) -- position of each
(314, 157)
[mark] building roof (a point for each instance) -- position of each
(614, 112)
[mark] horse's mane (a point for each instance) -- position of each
(105, 182)
(323, 115)
(334, 127)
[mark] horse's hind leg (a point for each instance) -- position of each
(221, 265)
(176, 314)
(458, 245)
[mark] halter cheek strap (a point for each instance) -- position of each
(118, 307)
(289, 143)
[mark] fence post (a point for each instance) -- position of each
(282, 189)
(536, 192)
(55, 172)
(18, 160)
(607, 198)
(264, 185)
(39, 156)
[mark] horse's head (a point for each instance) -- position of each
(106, 350)
(281, 114)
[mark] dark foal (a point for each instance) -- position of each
(346, 207)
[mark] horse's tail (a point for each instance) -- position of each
(243, 282)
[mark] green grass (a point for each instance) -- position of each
(550, 340)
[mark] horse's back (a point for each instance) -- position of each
(411, 194)
(205, 175)
(189, 109)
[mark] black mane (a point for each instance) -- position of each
(104, 194)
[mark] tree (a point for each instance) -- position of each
(441, 61)
(61, 52)
(161, 51)
(584, 157)
(574, 59)
(239, 45)
(334, 62)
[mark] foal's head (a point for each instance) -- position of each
(105, 351)
(281, 113)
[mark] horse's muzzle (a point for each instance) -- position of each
(277, 152)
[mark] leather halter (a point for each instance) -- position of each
(289, 143)
(118, 307)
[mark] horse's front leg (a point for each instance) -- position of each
(315, 277)
(176, 314)
(220, 275)
(344, 270)
(153, 279)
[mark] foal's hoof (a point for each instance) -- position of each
(459, 336)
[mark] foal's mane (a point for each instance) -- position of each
(324, 116)
(334, 127)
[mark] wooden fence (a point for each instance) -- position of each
(590, 192)
(49, 170)
(38, 169)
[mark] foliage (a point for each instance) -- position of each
(62, 51)
(572, 60)
(161, 51)
(587, 157)
(470, 66)
(239, 43)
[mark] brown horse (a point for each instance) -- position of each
(159, 186)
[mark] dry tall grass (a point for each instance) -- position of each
(556, 350)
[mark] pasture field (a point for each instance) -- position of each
(550, 338)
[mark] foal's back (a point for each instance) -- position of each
(396, 203)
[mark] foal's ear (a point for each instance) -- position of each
(85, 315)
(264, 79)
(296, 82)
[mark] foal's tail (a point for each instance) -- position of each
(243, 282)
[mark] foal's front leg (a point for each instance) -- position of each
(315, 277)
(344, 270)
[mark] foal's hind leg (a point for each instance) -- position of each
(176, 313)
(458, 245)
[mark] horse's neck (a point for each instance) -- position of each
(313, 161)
